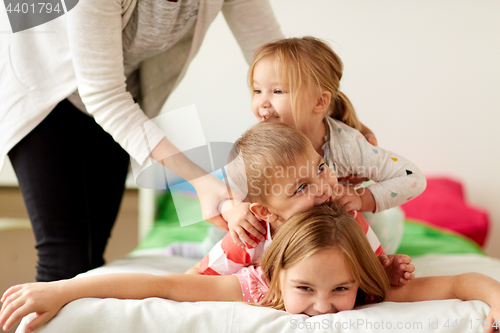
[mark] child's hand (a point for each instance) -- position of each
(241, 222)
(348, 197)
(44, 298)
(353, 179)
(492, 320)
(368, 134)
(398, 268)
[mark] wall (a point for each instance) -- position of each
(423, 75)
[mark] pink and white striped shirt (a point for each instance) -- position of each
(227, 258)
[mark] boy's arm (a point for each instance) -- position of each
(242, 224)
(46, 299)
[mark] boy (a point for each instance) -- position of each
(280, 173)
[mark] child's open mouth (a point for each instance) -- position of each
(329, 199)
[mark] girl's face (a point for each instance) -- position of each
(271, 100)
(319, 284)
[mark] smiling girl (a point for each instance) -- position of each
(321, 263)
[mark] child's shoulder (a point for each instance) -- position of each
(341, 131)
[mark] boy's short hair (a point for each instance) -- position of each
(266, 151)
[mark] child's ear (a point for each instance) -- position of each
(263, 212)
(323, 102)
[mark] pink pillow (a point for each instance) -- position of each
(443, 204)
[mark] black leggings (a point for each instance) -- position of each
(72, 175)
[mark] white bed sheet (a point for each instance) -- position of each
(160, 315)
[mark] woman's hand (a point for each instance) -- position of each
(210, 189)
(44, 298)
(212, 192)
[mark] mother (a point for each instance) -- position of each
(68, 113)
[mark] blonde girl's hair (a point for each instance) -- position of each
(308, 62)
(315, 229)
(264, 153)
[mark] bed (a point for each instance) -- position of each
(436, 250)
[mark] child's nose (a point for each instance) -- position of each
(323, 305)
(265, 103)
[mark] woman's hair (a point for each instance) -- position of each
(315, 229)
(308, 62)
(265, 152)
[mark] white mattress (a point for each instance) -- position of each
(160, 315)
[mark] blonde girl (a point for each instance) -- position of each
(322, 263)
(325, 227)
(296, 81)
(303, 64)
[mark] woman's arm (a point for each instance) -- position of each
(47, 298)
(252, 23)
(210, 190)
(95, 37)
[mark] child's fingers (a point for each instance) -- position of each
(384, 259)
(372, 140)
(14, 312)
(39, 320)
(402, 281)
(244, 237)
(250, 229)
(349, 204)
(409, 268)
(258, 226)
(10, 291)
(344, 201)
(9, 305)
(404, 259)
(489, 328)
(236, 239)
(409, 276)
